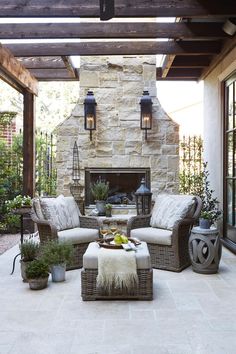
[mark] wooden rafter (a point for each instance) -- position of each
(15, 70)
(113, 30)
(123, 8)
(116, 48)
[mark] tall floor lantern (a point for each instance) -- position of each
(75, 188)
(143, 199)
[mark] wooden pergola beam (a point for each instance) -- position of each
(42, 62)
(123, 8)
(54, 74)
(15, 70)
(181, 61)
(112, 30)
(116, 48)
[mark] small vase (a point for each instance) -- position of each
(100, 206)
(38, 284)
(204, 223)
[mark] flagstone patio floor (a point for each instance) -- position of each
(190, 314)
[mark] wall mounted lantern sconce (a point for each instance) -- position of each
(143, 199)
(90, 113)
(107, 9)
(146, 112)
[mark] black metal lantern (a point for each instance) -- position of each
(107, 9)
(146, 112)
(90, 113)
(143, 199)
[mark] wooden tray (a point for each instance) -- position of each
(106, 243)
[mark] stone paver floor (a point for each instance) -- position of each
(190, 314)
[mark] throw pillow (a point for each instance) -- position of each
(73, 210)
(169, 209)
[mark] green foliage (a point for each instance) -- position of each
(108, 206)
(29, 250)
(18, 202)
(37, 269)
(54, 253)
(100, 190)
(6, 117)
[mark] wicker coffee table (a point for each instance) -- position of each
(89, 291)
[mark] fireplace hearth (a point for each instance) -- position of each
(123, 183)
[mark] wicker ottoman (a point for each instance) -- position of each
(89, 291)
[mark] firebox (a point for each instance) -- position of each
(123, 182)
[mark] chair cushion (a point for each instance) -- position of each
(78, 235)
(152, 235)
(62, 211)
(169, 209)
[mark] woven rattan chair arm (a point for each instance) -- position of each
(138, 221)
(46, 229)
(198, 209)
(89, 222)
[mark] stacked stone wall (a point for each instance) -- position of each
(118, 84)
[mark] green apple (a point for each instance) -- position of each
(124, 239)
(118, 239)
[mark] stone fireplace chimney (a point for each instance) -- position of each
(118, 142)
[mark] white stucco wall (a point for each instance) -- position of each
(213, 121)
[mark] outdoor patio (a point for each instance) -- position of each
(190, 314)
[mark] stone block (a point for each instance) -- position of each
(139, 161)
(173, 163)
(120, 161)
(90, 79)
(118, 148)
(169, 149)
(133, 89)
(149, 72)
(130, 77)
(103, 149)
(151, 147)
(138, 69)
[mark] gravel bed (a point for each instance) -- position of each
(7, 241)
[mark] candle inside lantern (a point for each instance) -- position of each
(146, 120)
(90, 121)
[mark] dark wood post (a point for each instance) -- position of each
(29, 144)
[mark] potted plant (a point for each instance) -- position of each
(108, 208)
(37, 274)
(20, 203)
(210, 205)
(100, 190)
(57, 256)
(29, 252)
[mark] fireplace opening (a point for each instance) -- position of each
(123, 183)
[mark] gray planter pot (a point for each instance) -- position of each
(38, 284)
(23, 267)
(100, 206)
(58, 272)
(204, 223)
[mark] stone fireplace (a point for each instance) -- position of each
(118, 145)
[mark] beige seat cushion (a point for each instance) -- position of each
(169, 209)
(78, 235)
(152, 235)
(90, 258)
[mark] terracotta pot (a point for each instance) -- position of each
(38, 284)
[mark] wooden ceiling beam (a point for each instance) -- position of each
(182, 61)
(115, 48)
(42, 62)
(123, 8)
(179, 73)
(112, 30)
(53, 74)
(15, 70)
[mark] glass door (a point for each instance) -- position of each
(230, 163)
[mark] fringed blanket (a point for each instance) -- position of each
(116, 270)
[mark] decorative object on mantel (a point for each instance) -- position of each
(76, 189)
(143, 199)
(108, 208)
(146, 112)
(90, 113)
(99, 190)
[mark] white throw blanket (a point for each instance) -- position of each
(117, 270)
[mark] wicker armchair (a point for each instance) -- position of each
(175, 255)
(48, 231)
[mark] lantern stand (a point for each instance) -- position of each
(76, 189)
(143, 199)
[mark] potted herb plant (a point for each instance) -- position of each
(57, 256)
(100, 190)
(37, 274)
(108, 208)
(29, 252)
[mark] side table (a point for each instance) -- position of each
(205, 250)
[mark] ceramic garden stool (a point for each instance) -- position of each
(89, 274)
(205, 250)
